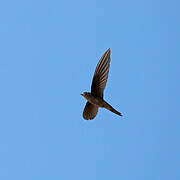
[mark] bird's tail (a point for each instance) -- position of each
(109, 107)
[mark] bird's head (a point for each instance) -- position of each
(85, 94)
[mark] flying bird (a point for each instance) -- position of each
(95, 97)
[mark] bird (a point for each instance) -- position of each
(95, 98)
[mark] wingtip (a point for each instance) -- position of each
(109, 50)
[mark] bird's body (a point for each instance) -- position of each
(95, 97)
(99, 102)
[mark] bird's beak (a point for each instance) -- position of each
(81, 94)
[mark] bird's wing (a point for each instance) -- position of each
(90, 111)
(101, 75)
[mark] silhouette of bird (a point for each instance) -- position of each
(95, 97)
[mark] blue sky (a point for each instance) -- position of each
(49, 51)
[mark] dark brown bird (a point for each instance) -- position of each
(95, 97)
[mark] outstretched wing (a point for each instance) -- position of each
(90, 111)
(101, 75)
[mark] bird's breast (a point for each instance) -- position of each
(95, 100)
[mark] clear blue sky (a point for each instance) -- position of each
(48, 54)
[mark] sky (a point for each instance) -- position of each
(48, 54)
